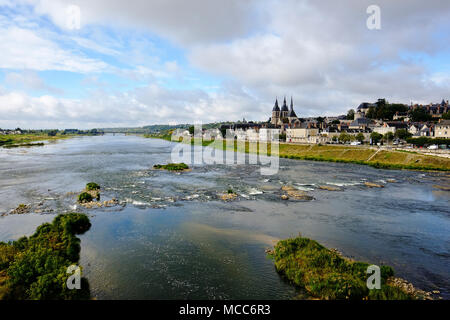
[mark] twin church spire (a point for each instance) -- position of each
(284, 113)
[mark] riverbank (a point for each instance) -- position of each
(35, 267)
(378, 158)
(325, 274)
(26, 140)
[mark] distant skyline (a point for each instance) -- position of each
(135, 63)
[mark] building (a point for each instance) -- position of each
(390, 126)
(364, 107)
(304, 135)
(442, 129)
(284, 116)
(269, 134)
(360, 121)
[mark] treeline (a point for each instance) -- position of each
(426, 141)
(54, 132)
(163, 128)
(35, 267)
(386, 111)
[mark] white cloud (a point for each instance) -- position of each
(179, 20)
(319, 51)
(29, 80)
(24, 49)
(139, 107)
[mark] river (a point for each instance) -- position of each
(172, 238)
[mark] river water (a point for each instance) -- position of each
(173, 238)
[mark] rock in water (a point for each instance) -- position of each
(373, 185)
(296, 194)
(228, 196)
(330, 188)
(21, 209)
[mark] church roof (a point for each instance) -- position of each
(291, 111)
(284, 107)
(276, 107)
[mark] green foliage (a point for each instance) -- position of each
(85, 197)
(36, 266)
(52, 133)
(402, 134)
(420, 114)
(92, 186)
(345, 137)
(376, 137)
(326, 275)
(351, 114)
(424, 141)
(172, 166)
(385, 111)
(230, 191)
(388, 136)
(446, 116)
(360, 137)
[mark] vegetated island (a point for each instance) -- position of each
(363, 155)
(90, 197)
(27, 140)
(34, 138)
(325, 274)
(35, 267)
(172, 167)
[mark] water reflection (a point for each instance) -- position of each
(173, 238)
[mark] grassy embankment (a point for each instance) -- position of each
(172, 167)
(383, 159)
(26, 140)
(324, 274)
(35, 267)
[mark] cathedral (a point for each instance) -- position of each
(284, 117)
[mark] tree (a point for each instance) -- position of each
(388, 136)
(402, 134)
(344, 137)
(191, 130)
(420, 114)
(446, 116)
(351, 114)
(376, 137)
(335, 138)
(360, 137)
(371, 113)
(52, 133)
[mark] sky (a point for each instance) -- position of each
(114, 63)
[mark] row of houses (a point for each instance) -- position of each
(314, 133)
(7, 131)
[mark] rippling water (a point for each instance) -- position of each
(172, 237)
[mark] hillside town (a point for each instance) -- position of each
(371, 123)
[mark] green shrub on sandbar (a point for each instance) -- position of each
(92, 186)
(172, 166)
(325, 274)
(85, 197)
(35, 267)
